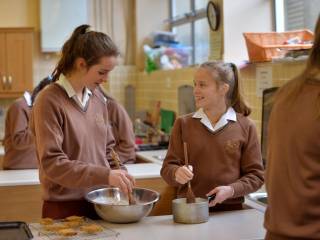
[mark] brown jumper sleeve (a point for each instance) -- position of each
(174, 158)
(252, 172)
(17, 122)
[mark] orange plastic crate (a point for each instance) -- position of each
(262, 47)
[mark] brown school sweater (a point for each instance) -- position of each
(73, 145)
(293, 166)
(230, 156)
(19, 145)
(122, 130)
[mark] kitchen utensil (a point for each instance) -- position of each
(15, 230)
(190, 213)
(105, 202)
(211, 197)
(116, 159)
(190, 194)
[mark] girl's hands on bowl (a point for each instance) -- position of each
(121, 179)
(184, 174)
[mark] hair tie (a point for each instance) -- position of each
(89, 29)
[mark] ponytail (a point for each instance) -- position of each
(41, 85)
(87, 44)
(236, 100)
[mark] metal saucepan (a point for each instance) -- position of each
(191, 213)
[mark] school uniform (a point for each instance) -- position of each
(73, 147)
(225, 154)
(122, 130)
(293, 166)
(19, 145)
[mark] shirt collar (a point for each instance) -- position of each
(229, 115)
(27, 97)
(64, 83)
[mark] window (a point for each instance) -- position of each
(188, 21)
(296, 14)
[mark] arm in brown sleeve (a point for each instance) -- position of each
(252, 171)
(110, 146)
(174, 158)
(122, 130)
(18, 125)
(70, 173)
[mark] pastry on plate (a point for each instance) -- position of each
(91, 228)
(46, 221)
(54, 227)
(67, 232)
(73, 224)
(74, 219)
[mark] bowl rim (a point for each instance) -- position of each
(179, 199)
(105, 204)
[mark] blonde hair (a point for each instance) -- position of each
(228, 73)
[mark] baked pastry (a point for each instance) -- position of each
(46, 221)
(54, 227)
(74, 219)
(67, 232)
(73, 224)
(91, 228)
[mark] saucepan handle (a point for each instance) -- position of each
(211, 197)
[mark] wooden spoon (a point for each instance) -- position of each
(116, 159)
(190, 195)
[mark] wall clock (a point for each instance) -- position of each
(213, 16)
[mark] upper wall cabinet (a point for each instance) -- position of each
(16, 48)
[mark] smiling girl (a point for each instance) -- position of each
(69, 121)
(223, 147)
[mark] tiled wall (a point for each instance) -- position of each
(119, 78)
(162, 85)
(281, 73)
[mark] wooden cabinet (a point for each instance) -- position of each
(16, 61)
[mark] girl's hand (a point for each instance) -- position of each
(121, 179)
(222, 194)
(183, 174)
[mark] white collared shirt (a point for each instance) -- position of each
(230, 115)
(66, 85)
(27, 97)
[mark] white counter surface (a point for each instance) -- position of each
(233, 225)
(155, 156)
(19, 177)
(144, 170)
(31, 176)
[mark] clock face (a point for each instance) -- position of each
(213, 16)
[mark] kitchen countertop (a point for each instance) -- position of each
(31, 176)
(154, 156)
(232, 225)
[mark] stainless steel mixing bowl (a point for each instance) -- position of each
(112, 205)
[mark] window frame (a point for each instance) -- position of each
(189, 17)
(279, 15)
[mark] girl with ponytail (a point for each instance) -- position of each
(222, 143)
(71, 128)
